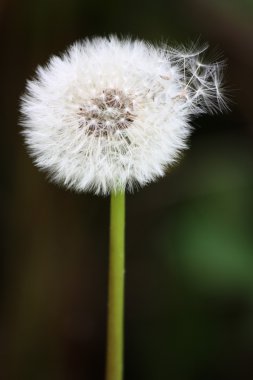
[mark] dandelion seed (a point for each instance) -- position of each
(110, 114)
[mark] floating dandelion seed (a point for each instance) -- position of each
(111, 114)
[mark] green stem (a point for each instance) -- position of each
(115, 336)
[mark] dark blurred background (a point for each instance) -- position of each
(189, 283)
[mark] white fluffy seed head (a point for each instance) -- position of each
(110, 114)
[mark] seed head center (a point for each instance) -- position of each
(106, 113)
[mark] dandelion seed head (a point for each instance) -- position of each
(111, 114)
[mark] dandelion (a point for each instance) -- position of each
(110, 115)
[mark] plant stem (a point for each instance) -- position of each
(115, 335)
